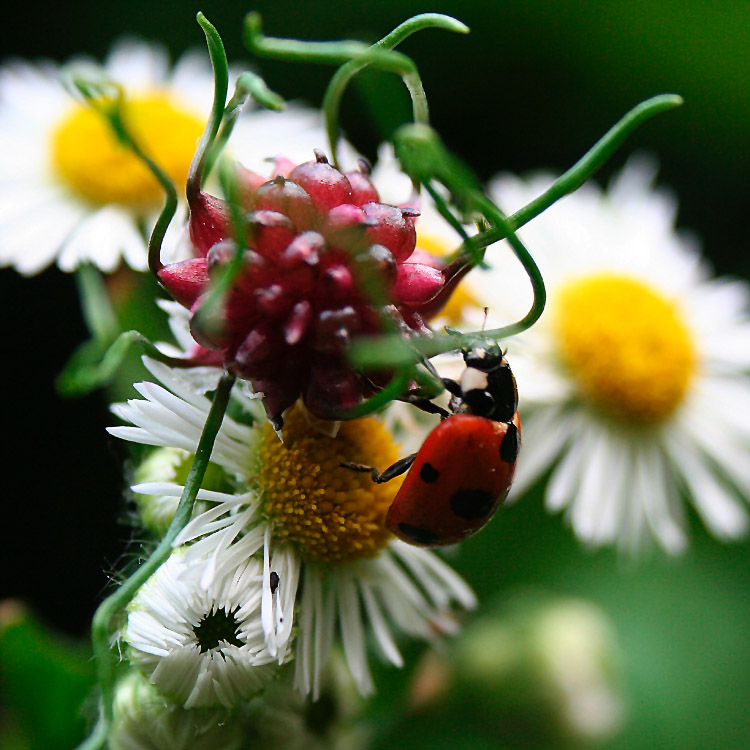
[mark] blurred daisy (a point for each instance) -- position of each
(634, 384)
(318, 528)
(71, 194)
(201, 646)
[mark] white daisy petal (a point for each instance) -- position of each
(593, 484)
(653, 495)
(720, 511)
(352, 633)
(325, 624)
(566, 476)
(383, 636)
(548, 431)
(607, 514)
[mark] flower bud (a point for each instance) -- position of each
(317, 246)
(287, 198)
(270, 232)
(363, 191)
(185, 280)
(326, 186)
(417, 284)
(209, 221)
(144, 720)
(391, 228)
(545, 671)
(155, 512)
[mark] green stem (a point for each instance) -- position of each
(497, 218)
(584, 168)
(106, 98)
(115, 117)
(342, 77)
(220, 67)
(338, 53)
(248, 85)
(425, 159)
(101, 629)
(445, 212)
(383, 397)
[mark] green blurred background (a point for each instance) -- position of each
(533, 85)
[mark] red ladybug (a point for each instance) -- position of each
(465, 467)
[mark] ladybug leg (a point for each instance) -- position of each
(424, 404)
(452, 387)
(394, 470)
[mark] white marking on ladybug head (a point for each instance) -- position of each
(473, 379)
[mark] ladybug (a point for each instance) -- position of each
(465, 467)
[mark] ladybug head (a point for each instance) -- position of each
(486, 356)
(488, 388)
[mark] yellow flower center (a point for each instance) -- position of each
(461, 299)
(90, 160)
(627, 347)
(332, 514)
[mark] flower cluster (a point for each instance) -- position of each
(325, 262)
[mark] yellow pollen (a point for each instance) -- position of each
(331, 514)
(626, 346)
(461, 299)
(433, 245)
(89, 159)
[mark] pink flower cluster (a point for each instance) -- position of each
(325, 262)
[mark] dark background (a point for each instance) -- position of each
(533, 85)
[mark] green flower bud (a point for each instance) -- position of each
(144, 720)
(155, 512)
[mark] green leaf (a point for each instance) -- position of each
(44, 682)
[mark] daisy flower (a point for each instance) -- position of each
(316, 529)
(71, 194)
(201, 646)
(634, 384)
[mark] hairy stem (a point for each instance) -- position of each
(101, 629)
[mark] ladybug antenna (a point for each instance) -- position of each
(484, 321)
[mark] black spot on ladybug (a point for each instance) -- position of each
(510, 445)
(472, 504)
(428, 473)
(274, 581)
(418, 534)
